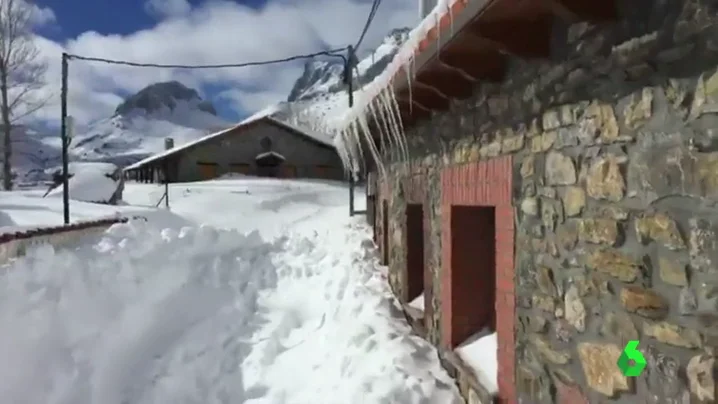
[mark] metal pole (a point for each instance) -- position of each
(65, 142)
(167, 186)
(350, 87)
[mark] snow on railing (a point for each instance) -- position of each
(15, 243)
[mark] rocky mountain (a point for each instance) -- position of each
(322, 77)
(140, 124)
(160, 96)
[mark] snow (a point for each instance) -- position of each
(90, 182)
(140, 134)
(418, 303)
(349, 125)
(260, 115)
(282, 301)
(182, 146)
(28, 209)
(480, 354)
(268, 154)
(33, 153)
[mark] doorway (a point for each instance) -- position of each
(208, 171)
(414, 251)
(473, 272)
(268, 164)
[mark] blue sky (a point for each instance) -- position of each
(107, 16)
(197, 32)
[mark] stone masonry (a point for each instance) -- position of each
(614, 151)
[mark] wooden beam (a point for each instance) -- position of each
(447, 81)
(524, 38)
(584, 10)
(441, 65)
(487, 66)
(427, 85)
(409, 111)
(424, 98)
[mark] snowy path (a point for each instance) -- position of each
(201, 315)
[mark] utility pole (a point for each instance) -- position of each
(349, 77)
(65, 141)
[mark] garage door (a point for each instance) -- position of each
(208, 170)
(323, 171)
(240, 168)
(288, 171)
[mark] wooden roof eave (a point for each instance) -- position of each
(428, 52)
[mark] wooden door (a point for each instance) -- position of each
(240, 168)
(323, 171)
(289, 171)
(208, 170)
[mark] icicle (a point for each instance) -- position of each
(410, 79)
(389, 121)
(396, 114)
(451, 18)
(438, 31)
(358, 152)
(382, 134)
(372, 146)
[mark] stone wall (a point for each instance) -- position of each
(615, 189)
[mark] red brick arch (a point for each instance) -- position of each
(486, 183)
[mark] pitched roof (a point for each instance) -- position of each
(261, 116)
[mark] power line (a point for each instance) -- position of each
(372, 13)
(332, 53)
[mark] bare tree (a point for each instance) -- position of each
(22, 73)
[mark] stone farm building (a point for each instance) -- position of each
(561, 190)
(263, 146)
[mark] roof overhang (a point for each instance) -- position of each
(474, 41)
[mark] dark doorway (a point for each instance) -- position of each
(268, 164)
(473, 271)
(385, 231)
(414, 251)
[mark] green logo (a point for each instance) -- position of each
(631, 354)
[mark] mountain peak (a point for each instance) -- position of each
(322, 77)
(163, 95)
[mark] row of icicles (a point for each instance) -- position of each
(383, 109)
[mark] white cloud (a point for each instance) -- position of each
(217, 31)
(168, 8)
(42, 16)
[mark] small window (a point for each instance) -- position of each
(266, 143)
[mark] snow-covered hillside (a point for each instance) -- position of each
(323, 77)
(141, 123)
(33, 152)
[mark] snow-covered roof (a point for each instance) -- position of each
(261, 156)
(343, 116)
(262, 115)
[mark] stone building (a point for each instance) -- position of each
(264, 146)
(561, 190)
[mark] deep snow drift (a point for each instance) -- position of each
(147, 314)
(90, 182)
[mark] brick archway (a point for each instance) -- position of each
(485, 184)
